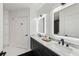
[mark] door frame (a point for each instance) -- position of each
(12, 15)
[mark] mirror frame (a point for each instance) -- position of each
(59, 8)
(37, 23)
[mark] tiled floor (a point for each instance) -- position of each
(14, 51)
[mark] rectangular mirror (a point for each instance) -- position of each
(66, 21)
(41, 25)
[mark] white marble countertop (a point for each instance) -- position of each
(59, 49)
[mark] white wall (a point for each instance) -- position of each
(1, 26)
(5, 28)
(33, 16)
(69, 21)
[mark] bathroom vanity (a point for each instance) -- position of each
(52, 48)
(41, 50)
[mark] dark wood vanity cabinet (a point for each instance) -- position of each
(41, 50)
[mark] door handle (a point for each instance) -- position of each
(26, 35)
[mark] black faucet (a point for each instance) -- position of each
(62, 40)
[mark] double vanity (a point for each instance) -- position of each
(54, 47)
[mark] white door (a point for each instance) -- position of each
(20, 32)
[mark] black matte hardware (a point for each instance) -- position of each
(26, 35)
(63, 3)
(59, 42)
(40, 15)
(67, 45)
(66, 35)
(62, 40)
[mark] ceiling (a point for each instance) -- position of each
(11, 6)
(32, 6)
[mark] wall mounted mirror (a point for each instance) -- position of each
(42, 24)
(66, 20)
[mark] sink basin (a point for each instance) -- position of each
(62, 49)
(75, 52)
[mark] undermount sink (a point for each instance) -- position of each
(61, 48)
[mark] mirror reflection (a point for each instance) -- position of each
(42, 24)
(66, 21)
